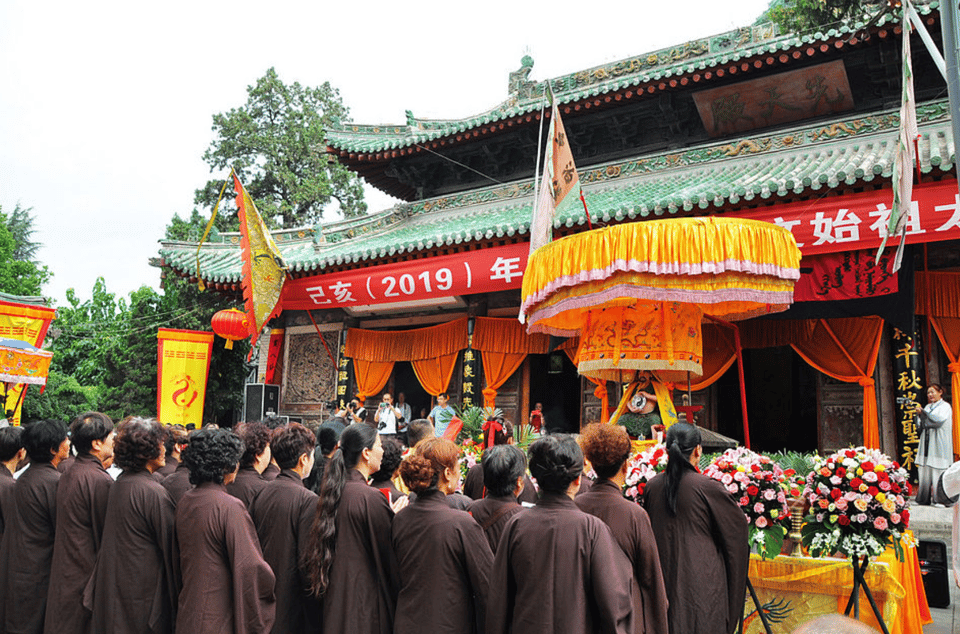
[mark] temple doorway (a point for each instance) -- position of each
(555, 383)
(405, 380)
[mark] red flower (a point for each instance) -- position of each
(755, 468)
(905, 515)
(867, 466)
(855, 484)
(850, 453)
(835, 494)
(841, 471)
(844, 520)
(873, 490)
(752, 490)
(789, 472)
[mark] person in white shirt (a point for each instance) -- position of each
(386, 416)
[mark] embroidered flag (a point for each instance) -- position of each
(559, 187)
(905, 155)
(264, 270)
(183, 363)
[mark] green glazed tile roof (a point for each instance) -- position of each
(698, 55)
(791, 162)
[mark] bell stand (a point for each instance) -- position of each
(854, 601)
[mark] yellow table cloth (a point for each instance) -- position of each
(794, 590)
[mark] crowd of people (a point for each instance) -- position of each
(274, 528)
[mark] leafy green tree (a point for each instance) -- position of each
(276, 144)
(19, 275)
(808, 15)
(62, 399)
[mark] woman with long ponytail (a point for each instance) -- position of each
(349, 560)
(701, 536)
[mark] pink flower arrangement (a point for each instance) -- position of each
(641, 468)
(757, 484)
(472, 453)
(858, 504)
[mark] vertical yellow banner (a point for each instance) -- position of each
(183, 361)
(23, 322)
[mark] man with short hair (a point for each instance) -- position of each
(283, 514)
(11, 453)
(441, 414)
(81, 512)
(29, 530)
(417, 430)
(254, 461)
(173, 445)
(386, 416)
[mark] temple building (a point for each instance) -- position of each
(797, 130)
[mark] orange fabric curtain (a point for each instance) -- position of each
(407, 345)
(938, 297)
(846, 349)
(497, 368)
(571, 347)
(371, 376)
(719, 353)
(434, 374)
(503, 345)
(492, 334)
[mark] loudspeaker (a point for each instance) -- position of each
(259, 399)
(933, 568)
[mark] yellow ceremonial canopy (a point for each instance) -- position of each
(637, 293)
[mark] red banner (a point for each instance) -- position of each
(483, 271)
(827, 225)
(847, 275)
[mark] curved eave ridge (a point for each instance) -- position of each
(665, 64)
(788, 163)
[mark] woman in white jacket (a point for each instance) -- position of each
(935, 422)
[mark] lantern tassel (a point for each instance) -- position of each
(228, 345)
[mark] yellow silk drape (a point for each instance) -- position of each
(846, 349)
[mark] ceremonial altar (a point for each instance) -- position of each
(794, 590)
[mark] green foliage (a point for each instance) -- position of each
(801, 463)
(276, 143)
(807, 15)
(62, 399)
(19, 275)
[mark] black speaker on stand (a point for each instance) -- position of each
(259, 400)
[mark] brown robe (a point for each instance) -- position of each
(81, 511)
(136, 580)
(6, 495)
(630, 526)
(247, 485)
(283, 514)
(444, 569)
(362, 594)
(177, 483)
(65, 464)
(168, 468)
(227, 585)
(492, 514)
(271, 472)
(473, 486)
(391, 488)
(558, 569)
(704, 553)
(28, 548)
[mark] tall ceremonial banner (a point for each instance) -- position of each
(559, 187)
(263, 268)
(183, 361)
(23, 322)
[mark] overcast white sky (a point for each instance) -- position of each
(106, 106)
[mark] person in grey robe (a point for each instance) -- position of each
(935, 453)
(29, 530)
(81, 511)
(133, 598)
(702, 540)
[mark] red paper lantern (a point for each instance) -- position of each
(232, 325)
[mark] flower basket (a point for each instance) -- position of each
(755, 481)
(641, 468)
(858, 504)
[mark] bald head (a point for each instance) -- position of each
(834, 624)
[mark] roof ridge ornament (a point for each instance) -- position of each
(520, 87)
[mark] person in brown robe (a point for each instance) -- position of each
(11, 453)
(558, 569)
(607, 447)
(135, 582)
(172, 447)
(227, 584)
(283, 513)
(473, 486)
(81, 510)
(504, 468)
(350, 560)
(178, 482)
(382, 480)
(272, 470)
(438, 549)
(255, 459)
(29, 530)
(702, 539)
